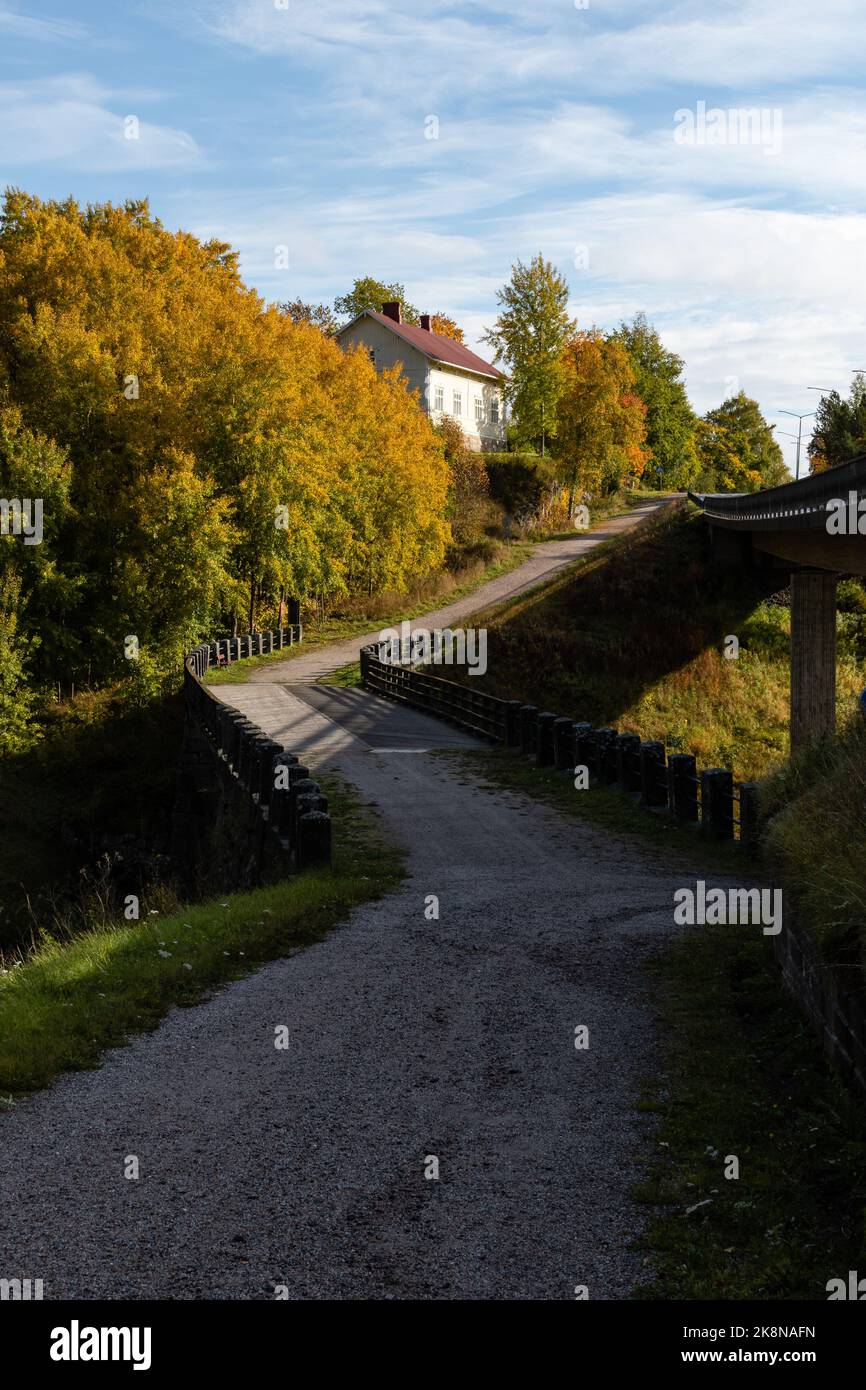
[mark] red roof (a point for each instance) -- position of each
(438, 347)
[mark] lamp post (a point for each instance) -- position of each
(799, 419)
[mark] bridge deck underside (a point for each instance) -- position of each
(811, 549)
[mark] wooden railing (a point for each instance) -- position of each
(661, 781)
(290, 803)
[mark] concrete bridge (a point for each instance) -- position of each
(810, 529)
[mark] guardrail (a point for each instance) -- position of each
(289, 801)
(662, 781)
(800, 505)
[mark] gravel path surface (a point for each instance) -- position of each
(409, 1038)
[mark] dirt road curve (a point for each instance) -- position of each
(412, 1038)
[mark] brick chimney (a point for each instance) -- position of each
(425, 322)
(392, 310)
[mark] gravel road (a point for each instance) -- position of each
(411, 1037)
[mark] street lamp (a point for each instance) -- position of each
(799, 419)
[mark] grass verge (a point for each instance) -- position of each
(742, 1075)
(62, 1006)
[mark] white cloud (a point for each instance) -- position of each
(740, 44)
(67, 120)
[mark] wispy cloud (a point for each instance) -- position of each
(67, 120)
(22, 26)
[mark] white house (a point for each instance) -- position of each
(449, 379)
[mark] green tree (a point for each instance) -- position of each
(839, 432)
(737, 450)
(368, 293)
(528, 337)
(17, 700)
(670, 423)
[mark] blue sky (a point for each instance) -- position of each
(307, 125)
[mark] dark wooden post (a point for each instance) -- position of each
(314, 840)
(544, 751)
(584, 746)
(717, 803)
(683, 787)
(602, 740)
(563, 744)
(749, 817)
(528, 715)
(512, 723)
(653, 782)
(628, 761)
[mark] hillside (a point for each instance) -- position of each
(635, 637)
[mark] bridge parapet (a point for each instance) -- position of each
(271, 823)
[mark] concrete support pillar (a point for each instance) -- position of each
(813, 656)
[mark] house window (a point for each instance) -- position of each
(439, 398)
(373, 356)
(494, 409)
(479, 411)
(457, 403)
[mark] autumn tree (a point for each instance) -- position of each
(445, 327)
(528, 337)
(601, 421)
(469, 491)
(215, 453)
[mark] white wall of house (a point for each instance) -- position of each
(473, 401)
(479, 398)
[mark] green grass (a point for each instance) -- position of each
(813, 810)
(62, 1006)
(339, 627)
(345, 677)
(742, 1074)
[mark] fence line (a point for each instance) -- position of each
(665, 783)
(289, 801)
